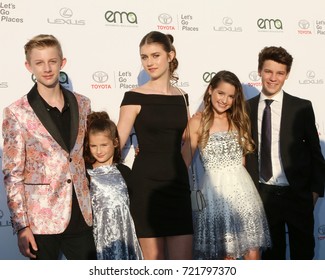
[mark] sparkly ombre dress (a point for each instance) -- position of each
(113, 226)
(234, 220)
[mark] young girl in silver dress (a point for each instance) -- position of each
(113, 226)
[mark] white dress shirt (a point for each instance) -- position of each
(278, 177)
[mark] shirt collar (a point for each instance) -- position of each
(277, 97)
(49, 107)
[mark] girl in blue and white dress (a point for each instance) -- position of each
(113, 226)
(233, 225)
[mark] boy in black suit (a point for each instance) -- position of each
(287, 166)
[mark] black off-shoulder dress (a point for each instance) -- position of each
(159, 187)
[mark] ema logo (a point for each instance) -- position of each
(121, 17)
(269, 24)
(63, 78)
(207, 76)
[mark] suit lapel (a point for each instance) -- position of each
(74, 116)
(38, 107)
(285, 117)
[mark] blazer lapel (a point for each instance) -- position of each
(74, 116)
(285, 117)
(36, 103)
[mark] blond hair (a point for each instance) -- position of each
(42, 41)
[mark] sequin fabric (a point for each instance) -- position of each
(234, 220)
(113, 226)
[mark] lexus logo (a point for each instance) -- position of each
(100, 77)
(66, 13)
(227, 21)
(310, 74)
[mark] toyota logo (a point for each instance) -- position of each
(165, 18)
(100, 77)
(321, 230)
(304, 24)
(254, 76)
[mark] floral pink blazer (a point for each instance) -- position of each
(39, 171)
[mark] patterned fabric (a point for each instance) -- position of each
(234, 220)
(114, 231)
(39, 174)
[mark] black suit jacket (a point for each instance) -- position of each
(300, 149)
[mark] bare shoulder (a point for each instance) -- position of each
(195, 120)
(197, 116)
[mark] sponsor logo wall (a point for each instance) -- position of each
(100, 41)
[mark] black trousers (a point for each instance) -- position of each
(285, 207)
(74, 246)
(75, 243)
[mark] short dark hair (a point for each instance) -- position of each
(277, 54)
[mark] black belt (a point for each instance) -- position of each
(274, 189)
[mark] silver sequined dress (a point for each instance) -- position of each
(113, 226)
(234, 220)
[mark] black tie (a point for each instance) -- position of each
(266, 162)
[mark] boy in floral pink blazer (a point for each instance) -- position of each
(43, 166)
